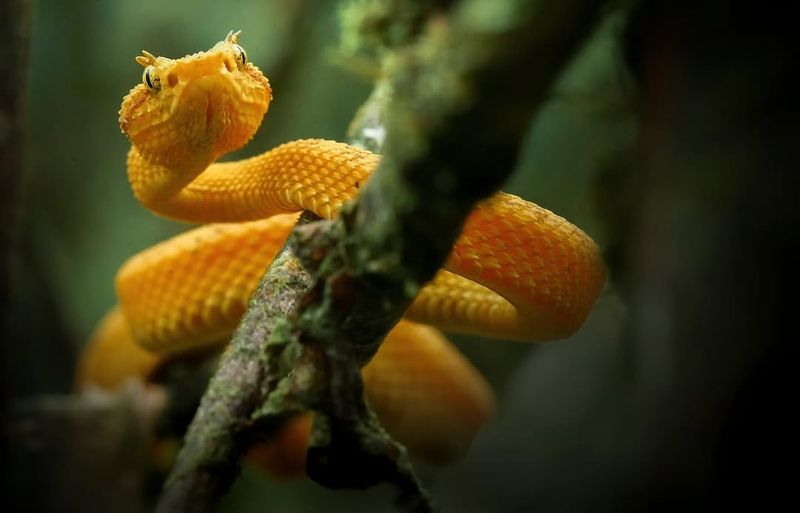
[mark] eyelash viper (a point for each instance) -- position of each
(518, 271)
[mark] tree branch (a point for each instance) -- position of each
(370, 263)
(209, 459)
(462, 97)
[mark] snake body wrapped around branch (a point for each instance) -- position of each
(518, 271)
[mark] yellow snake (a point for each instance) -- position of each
(518, 271)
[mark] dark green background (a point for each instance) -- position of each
(640, 409)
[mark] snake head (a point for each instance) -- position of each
(196, 107)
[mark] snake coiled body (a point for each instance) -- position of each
(518, 271)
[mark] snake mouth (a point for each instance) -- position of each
(200, 104)
(209, 114)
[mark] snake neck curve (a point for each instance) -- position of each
(308, 174)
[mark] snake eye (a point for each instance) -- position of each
(150, 79)
(241, 56)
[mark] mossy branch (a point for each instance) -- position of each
(461, 98)
(465, 75)
(208, 462)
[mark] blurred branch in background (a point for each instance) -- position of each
(299, 20)
(14, 37)
(24, 295)
(96, 447)
(29, 311)
(705, 230)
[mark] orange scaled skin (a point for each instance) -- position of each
(523, 272)
(518, 271)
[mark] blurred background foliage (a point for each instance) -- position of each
(568, 433)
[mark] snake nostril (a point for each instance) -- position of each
(230, 66)
(172, 79)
